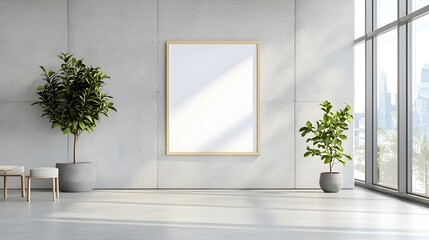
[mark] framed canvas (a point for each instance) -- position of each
(213, 98)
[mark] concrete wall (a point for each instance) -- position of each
(306, 57)
(121, 38)
(324, 70)
(32, 33)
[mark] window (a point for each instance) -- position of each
(387, 11)
(359, 111)
(386, 98)
(420, 105)
(417, 4)
(393, 61)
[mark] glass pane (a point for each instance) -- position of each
(417, 4)
(387, 96)
(420, 100)
(359, 111)
(387, 11)
(359, 18)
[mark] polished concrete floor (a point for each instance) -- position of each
(212, 214)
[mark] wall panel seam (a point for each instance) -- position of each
(294, 93)
(158, 92)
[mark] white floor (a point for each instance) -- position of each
(212, 214)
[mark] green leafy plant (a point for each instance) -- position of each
(328, 135)
(72, 98)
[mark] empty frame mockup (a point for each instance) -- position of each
(212, 93)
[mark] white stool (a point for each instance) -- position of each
(44, 173)
(12, 171)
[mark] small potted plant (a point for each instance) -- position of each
(72, 100)
(327, 143)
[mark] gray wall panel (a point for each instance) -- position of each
(32, 33)
(324, 70)
(120, 37)
(235, 20)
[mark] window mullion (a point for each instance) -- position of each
(409, 105)
(370, 151)
(402, 108)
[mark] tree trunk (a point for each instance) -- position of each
(75, 138)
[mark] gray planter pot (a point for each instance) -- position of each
(79, 177)
(331, 182)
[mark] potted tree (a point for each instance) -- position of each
(327, 143)
(72, 100)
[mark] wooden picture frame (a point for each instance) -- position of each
(213, 98)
